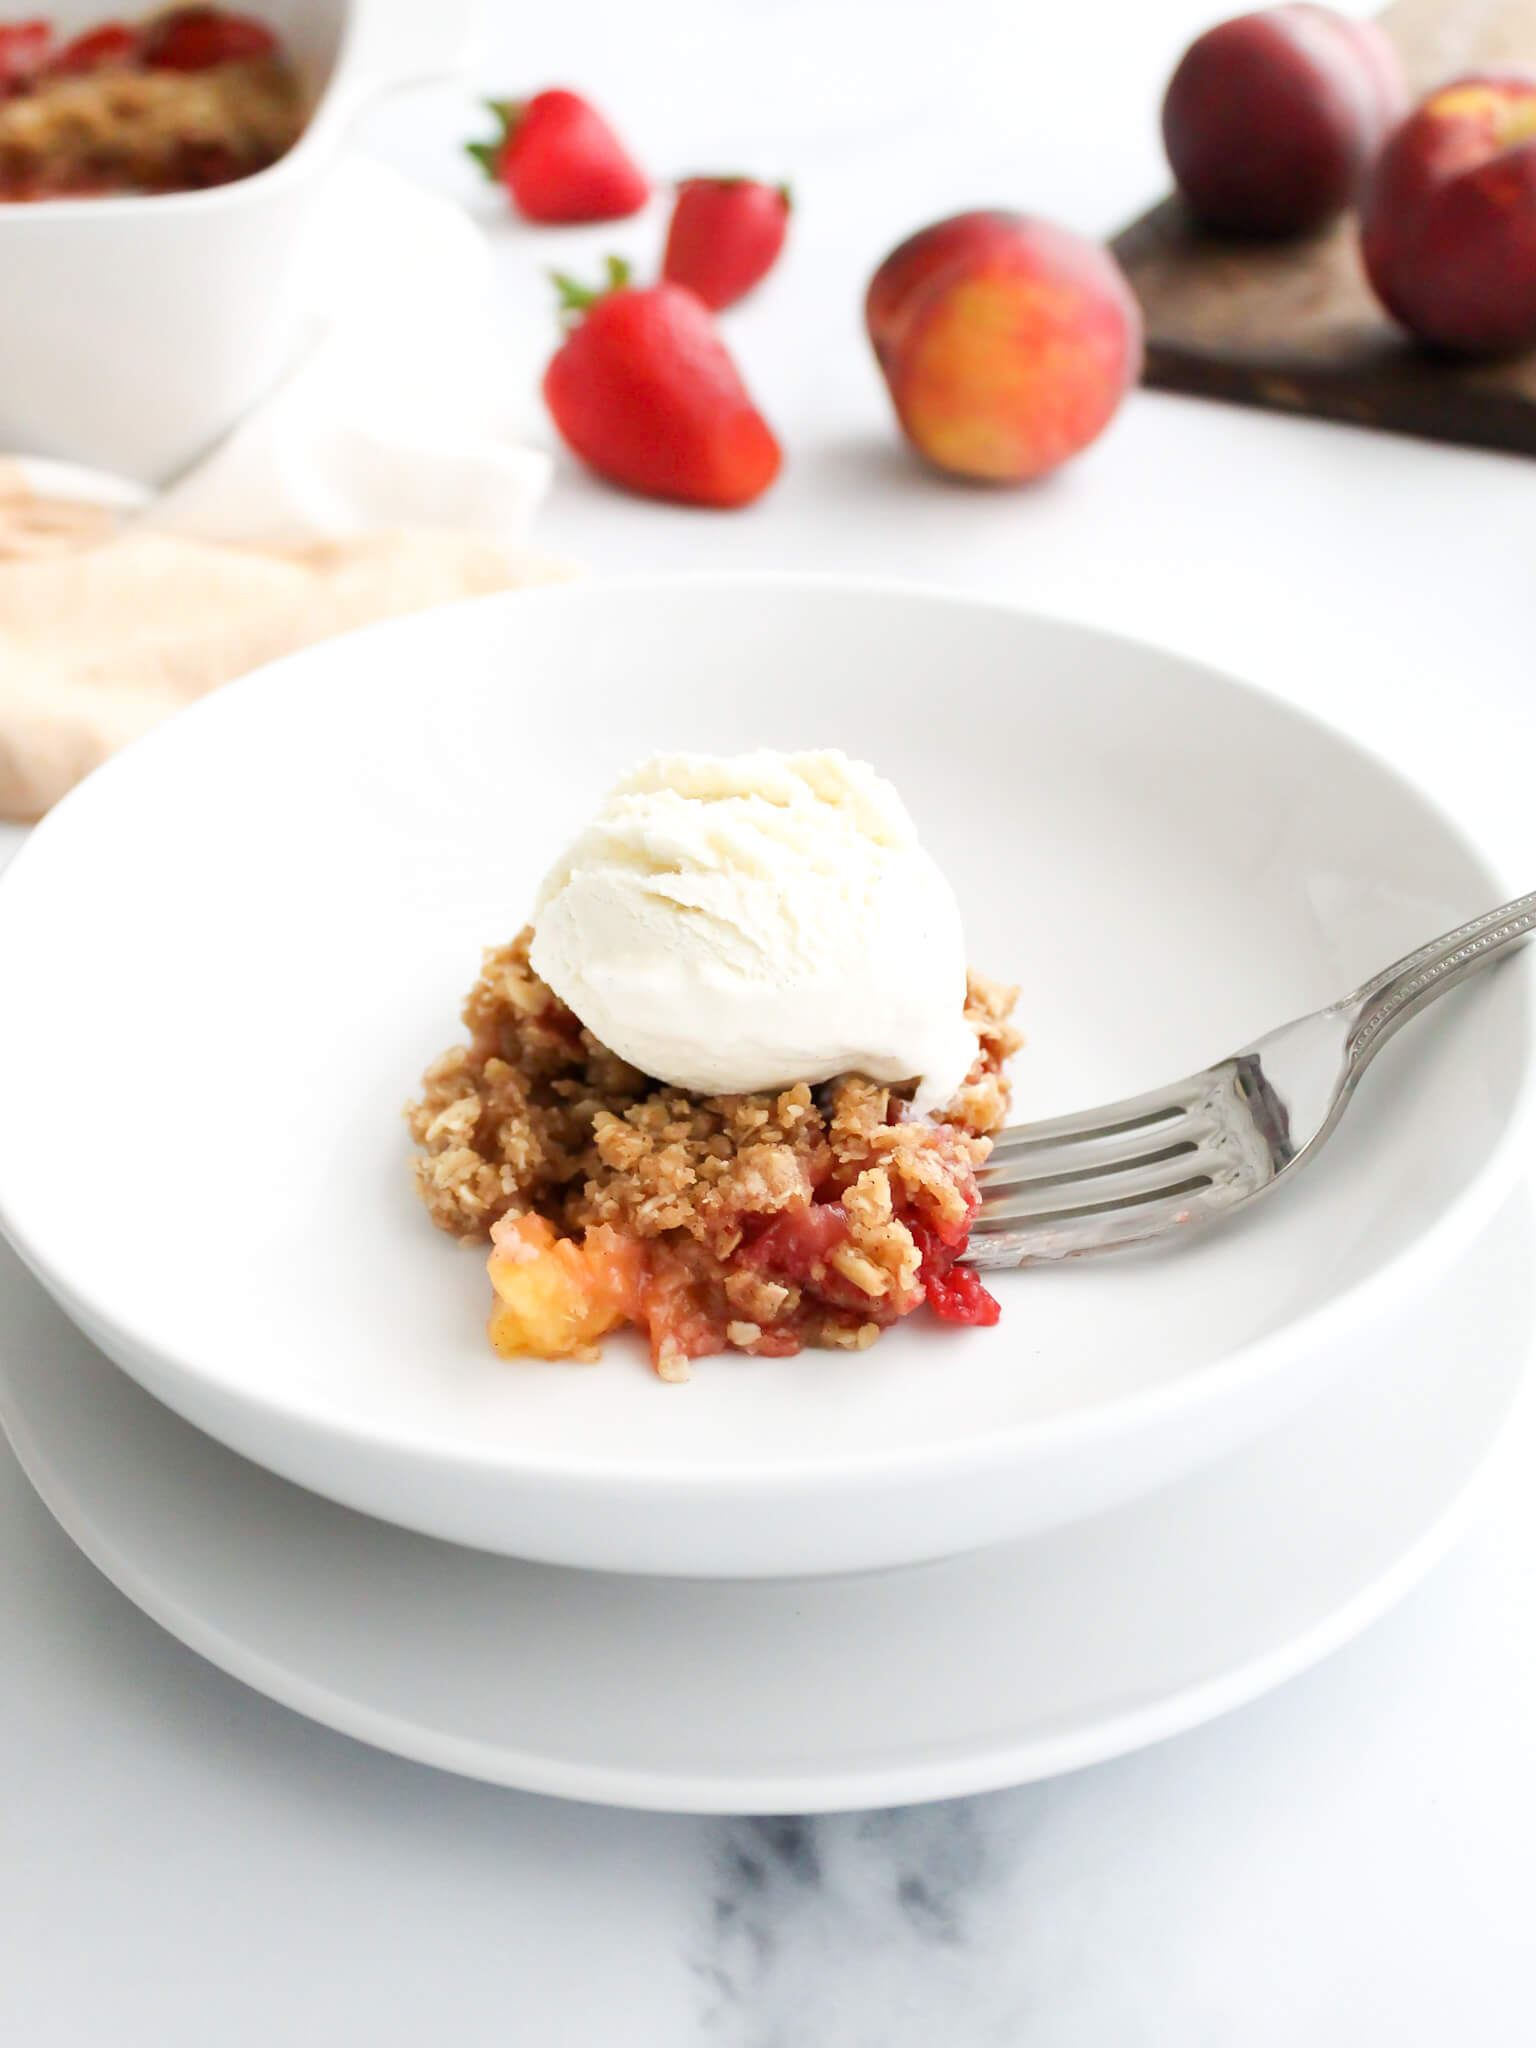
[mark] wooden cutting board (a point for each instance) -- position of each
(1294, 325)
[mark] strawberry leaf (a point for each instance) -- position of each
(577, 298)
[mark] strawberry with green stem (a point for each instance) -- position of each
(560, 161)
(645, 392)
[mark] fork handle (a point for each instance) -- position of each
(1403, 989)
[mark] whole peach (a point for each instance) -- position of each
(1271, 120)
(1006, 343)
(912, 262)
(1448, 225)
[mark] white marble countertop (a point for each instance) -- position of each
(1350, 1861)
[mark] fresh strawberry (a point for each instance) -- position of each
(197, 38)
(645, 392)
(98, 49)
(25, 47)
(725, 236)
(560, 161)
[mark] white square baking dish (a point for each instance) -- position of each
(134, 331)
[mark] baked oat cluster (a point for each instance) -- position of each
(755, 1223)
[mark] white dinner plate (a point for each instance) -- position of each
(231, 952)
(938, 1679)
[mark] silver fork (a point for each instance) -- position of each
(1197, 1150)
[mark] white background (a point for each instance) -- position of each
(1350, 1861)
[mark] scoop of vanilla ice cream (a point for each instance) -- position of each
(735, 925)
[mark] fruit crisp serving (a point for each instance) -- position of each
(758, 1223)
(734, 1083)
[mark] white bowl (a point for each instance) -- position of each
(790, 1695)
(231, 952)
(135, 331)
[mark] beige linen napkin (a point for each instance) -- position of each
(388, 470)
(105, 631)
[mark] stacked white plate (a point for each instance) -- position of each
(1164, 1481)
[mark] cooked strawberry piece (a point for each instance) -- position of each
(114, 43)
(937, 1255)
(797, 1244)
(954, 1292)
(953, 1231)
(960, 1298)
(25, 47)
(197, 38)
(677, 1314)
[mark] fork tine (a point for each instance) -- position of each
(1135, 1169)
(1039, 1240)
(1178, 1172)
(1135, 1114)
(1102, 1152)
(1146, 1167)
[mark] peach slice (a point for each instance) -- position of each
(555, 1297)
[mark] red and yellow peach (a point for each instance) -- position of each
(1006, 343)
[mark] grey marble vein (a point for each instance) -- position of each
(854, 1929)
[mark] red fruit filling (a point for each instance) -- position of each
(25, 47)
(955, 1293)
(197, 38)
(113, 43)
